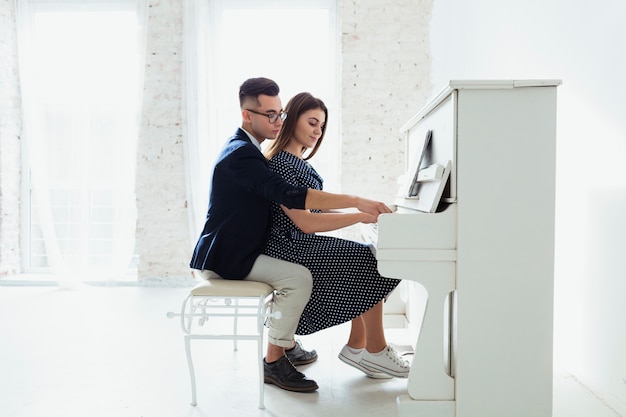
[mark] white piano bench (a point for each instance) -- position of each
(231, 299)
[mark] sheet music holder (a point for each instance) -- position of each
(411, 186)
(430, 191)
(423, 187)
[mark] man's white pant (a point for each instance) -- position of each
(292, 284)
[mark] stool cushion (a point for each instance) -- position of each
(231, 288)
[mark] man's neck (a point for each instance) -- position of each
(248, 128)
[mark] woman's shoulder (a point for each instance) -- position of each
(283, 158)
(286, 164)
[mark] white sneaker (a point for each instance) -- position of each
(387, 361)
(352, 357)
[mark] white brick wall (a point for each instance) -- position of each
(161, 241)
(385, 77)
(10, 127)
(385, 80)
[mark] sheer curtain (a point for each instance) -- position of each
(81, 66)
(201, 147)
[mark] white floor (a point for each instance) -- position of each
(111, 352)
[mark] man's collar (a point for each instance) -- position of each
(252, 139)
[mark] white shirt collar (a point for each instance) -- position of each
(253, 139)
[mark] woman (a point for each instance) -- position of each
(346, 282)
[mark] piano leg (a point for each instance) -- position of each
(430, 387)
(428, 379)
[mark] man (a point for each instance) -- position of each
(238, 222)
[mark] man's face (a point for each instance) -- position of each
(257, 117)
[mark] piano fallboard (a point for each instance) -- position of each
(414, 235)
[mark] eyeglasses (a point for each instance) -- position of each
(271, 116)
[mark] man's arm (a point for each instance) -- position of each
(321, 200)
(250, 169)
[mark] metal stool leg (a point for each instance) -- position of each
(260, 319)
(192, 375)
(235, 323)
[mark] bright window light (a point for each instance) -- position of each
(82, 114)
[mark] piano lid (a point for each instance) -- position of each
(474, 85)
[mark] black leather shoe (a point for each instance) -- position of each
(284, 375)
(298, 356)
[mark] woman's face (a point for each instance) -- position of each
(309, 128)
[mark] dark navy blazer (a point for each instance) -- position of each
(238, 218)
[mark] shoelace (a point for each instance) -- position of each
(393, 355)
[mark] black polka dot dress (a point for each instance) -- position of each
(346, 282)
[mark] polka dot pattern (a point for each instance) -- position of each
(346, 282)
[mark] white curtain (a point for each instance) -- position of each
(201, 147)
(81, 104)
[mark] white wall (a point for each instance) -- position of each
(580, 43)
(10, 126)
(384, 81)
(162, 240)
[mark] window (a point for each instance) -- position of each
(80, 105)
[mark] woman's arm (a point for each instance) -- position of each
(321, 200)
(325, 222)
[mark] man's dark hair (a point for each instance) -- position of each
(253, 87)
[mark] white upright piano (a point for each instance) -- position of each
(475, 228)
